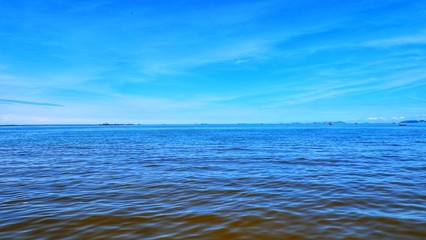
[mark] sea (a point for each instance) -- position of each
(243, 181)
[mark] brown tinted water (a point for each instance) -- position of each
(213, 182)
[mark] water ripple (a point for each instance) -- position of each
(219, 182)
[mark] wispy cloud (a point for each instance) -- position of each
(323, 90)
(417, 99)
(12, 101)
(168, 60)
(397, 41)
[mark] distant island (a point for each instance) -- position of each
(134, 124)
(414, 121)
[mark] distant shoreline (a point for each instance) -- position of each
(204, 124)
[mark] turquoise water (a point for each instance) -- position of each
(213, 182)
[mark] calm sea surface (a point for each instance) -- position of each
(213, 182)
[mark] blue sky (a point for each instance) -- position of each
(212, 61)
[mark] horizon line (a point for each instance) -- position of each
(239, 123)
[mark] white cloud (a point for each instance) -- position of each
(376, 118)
(398, 118)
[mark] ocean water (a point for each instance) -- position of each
(213, 182)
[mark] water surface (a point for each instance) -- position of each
(213, 182)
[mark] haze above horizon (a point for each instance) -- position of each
(212, 61)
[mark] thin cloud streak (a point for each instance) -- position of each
(12, 101)
(393, 82)
(417, 99)
(397, 41)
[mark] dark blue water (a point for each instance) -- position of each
(213, 182)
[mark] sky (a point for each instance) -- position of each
(212, 61)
